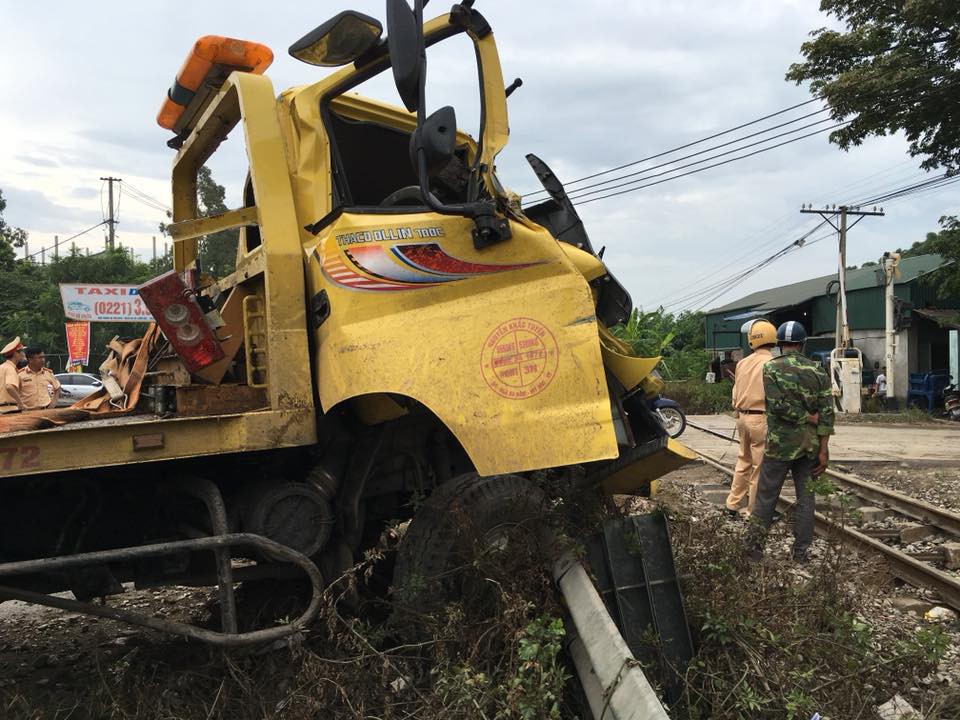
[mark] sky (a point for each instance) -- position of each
(604, 83)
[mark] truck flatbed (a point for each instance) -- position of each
(139, 438)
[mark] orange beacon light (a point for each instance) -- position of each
(212, 55)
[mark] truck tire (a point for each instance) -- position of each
(445, 529)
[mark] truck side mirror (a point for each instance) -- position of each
(437, 137)
(403, 42)
(340, 40)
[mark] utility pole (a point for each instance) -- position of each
(26, 250)
(111, 223)
(846, 362)
(154, 238)
(56, 247)
(890, 262)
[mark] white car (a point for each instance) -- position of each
(74, 386)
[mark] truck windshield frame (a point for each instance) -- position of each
(342, 197)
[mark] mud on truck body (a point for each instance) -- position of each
(395, 324)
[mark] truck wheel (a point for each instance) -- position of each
(490, 524)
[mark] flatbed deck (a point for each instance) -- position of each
(140, 438)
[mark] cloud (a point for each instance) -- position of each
(38, 161)
(34, 210)
(602, 87)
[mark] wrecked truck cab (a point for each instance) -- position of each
(395, 327)
(502, 341)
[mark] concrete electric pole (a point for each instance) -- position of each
(846, 362)
(890, 262)
(111, 222)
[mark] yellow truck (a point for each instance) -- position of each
(396, 323)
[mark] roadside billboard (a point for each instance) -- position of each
(103, 303)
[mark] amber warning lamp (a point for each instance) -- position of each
(209, 63)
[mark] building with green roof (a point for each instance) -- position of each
(923, 318)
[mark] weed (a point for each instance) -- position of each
(774, 643)
(699, 398)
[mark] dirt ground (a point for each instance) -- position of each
(896, 609)
(46, 653)
(860, 442)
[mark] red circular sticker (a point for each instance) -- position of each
(519, 358)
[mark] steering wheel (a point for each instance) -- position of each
(409, 195)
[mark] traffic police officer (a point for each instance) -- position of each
(748, 401)
(9, 378)
(39, 388)
(799, 412)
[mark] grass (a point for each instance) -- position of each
(699, 398)
(872, 412)
(770, 643)
(776, 643)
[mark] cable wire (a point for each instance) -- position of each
(576, 194)
(708, 167)
(692, 298)
(684, 146)
(72, 237)
(148, 198)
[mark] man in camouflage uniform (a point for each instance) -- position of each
(799, 411)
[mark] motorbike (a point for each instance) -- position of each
(669, 414)
(951, 402)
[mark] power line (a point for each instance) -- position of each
(701, 152)
(147, 197)
(701, 292)
(682, 147)
(150, 205)
(726, 285)
(683, 294)
(765, 230)
(772, 259)
(571, 183)
(708, 167)
(906, 190)
(575, 194)
(72, 237)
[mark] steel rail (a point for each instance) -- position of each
(899, 564)
(921, 510)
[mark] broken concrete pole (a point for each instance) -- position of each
(714, 493)
(907, 603)
(716, 496)
(896, 708)
(951, 555)
(870, 514)
(914, 532)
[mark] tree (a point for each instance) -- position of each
(30, 303)
(945, 243)
(896, 67)
(679, 339)
(10, 238)
(217, 252)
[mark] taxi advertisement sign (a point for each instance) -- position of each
(103, 303)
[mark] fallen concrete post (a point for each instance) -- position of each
(602, 659)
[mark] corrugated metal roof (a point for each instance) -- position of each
(800, 292)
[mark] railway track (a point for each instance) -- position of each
(913, 570)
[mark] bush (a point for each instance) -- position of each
(699, 398)
(776, 643)
(677, 338)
